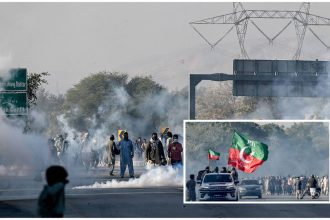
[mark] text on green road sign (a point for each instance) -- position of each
(13, 103)
(15, 81)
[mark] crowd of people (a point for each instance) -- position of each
(164, 150)
(85, 154)
(51, 199)
(297, 185)
(151, 152)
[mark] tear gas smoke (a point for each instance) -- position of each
(155, 176)
(20, 153)
(115, 113)
(211, 104)
(5, 64)
(32, 150)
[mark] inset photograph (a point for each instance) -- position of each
(256, 161)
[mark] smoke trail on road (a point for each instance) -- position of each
(155, 176)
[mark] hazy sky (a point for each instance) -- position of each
(72, 40)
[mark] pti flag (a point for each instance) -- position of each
(214, 155)
(247, 155)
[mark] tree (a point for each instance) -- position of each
(142, 86)
(108, 100)
(84, 101)
(34, 82)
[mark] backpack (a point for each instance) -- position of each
(115, 150)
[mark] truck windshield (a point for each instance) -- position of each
(217, 178)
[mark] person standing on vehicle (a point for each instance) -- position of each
(110, 149)
(223, 170)
(191, 185)
(175, 151)
(206, 171)
(126, 156)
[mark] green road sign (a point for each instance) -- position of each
(14, 103)
(14, 81)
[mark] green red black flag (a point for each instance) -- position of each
(245, 154)
(213, 155)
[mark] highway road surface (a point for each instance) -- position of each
(18, 198)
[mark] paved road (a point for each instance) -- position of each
(17, 200)
(284, 198)
(279, 198)
(161, 202)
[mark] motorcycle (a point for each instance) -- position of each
(308, 192)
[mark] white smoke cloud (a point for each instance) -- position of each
(20, 152)
(155, 176)
(115, 113)
(5, 63)
(14, 170)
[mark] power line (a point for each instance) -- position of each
(240, 19)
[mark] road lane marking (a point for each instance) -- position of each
(119, 193)
(72, 188)
(4, 198)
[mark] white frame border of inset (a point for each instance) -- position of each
(248, 202)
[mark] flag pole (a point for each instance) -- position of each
(209, 160)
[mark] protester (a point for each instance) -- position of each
(51, 202)
(191, 185)
(175, 151)
(126, 156)
(111, 154)
(155, 151)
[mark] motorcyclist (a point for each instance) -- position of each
(312, 184)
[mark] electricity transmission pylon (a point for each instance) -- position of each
(240, 18)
